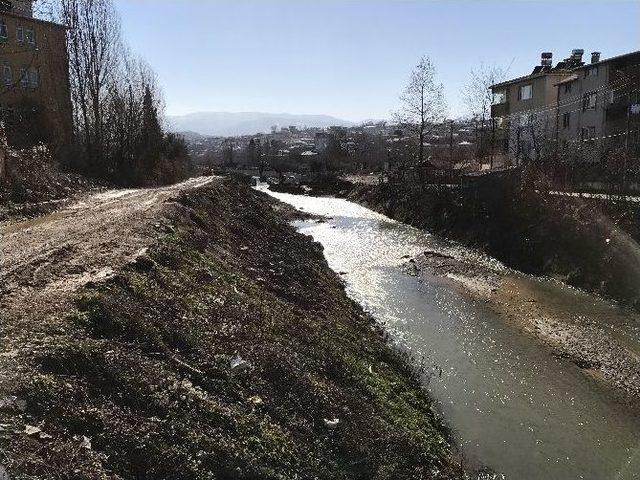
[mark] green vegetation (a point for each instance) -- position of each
(228, 350)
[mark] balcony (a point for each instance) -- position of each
(500, 110)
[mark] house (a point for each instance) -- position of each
(35, 102)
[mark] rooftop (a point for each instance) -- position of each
(563, 68)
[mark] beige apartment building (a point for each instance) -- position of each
(35, 101)
(596, 103)
(524, 107)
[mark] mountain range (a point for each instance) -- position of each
(247, 123)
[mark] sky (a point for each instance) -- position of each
(351, 58)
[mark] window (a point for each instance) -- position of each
(34, 77)
(591, 72)
(588, 133)
(24, 77)
(20, 34)
(4, 33)
(525, 92)
(567, 88)
(30, 36)
(499, 97)
(7, 75)
(566, 120)
(590, 100)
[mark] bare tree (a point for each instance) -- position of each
(477, 93)
(45, 9)
(422, 102)
(94, 48)
(117, 102)
(478, 98)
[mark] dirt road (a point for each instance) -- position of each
(44, 260)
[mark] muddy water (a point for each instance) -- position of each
(513, 407)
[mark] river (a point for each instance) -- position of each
(512, 406)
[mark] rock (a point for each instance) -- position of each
(85, 442)
(331, 423)
(237, 363)
(32, 430)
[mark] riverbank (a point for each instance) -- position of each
(601, 339)
(575, 242)
(585, 243)
(226, 347)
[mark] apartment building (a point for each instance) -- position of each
(568, 104)
(596, 102)
(35, 102)
(524, 110)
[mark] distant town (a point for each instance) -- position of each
(572, 116)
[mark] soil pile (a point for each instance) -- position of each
(32, 184)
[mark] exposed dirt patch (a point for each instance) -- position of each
(31, 184)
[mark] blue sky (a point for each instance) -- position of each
(351, 58)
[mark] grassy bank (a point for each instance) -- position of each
(586, 243)
(228, 350)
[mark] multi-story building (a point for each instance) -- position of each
(523, 107)
(569, 104)
(35, 102)
(595, 103)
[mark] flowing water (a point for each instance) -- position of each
(513, 406)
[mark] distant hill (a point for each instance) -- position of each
(188, 135)
(246, 123)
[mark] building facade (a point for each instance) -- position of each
(523, 108)
(571, 107)
(595, 105)
(35, 102)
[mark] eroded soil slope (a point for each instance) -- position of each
(192, 333)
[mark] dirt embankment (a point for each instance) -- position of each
(192, 333)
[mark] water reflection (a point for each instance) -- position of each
(513, 406)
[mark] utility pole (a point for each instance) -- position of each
(626, 147)
(626, 140)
